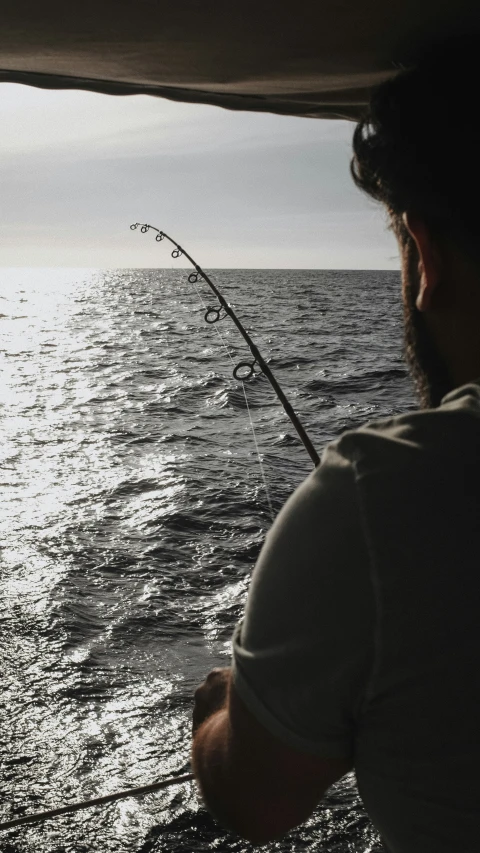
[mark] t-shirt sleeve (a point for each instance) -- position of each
(303, 652)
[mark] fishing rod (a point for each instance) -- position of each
(245, 369)
(41, 817)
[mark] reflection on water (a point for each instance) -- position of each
(132, 513)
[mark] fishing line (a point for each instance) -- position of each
(252, 425)
(217, 330)
(262, 471)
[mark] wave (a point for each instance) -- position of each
(368, 381)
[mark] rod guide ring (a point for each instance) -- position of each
(212, 315)
(248, 366)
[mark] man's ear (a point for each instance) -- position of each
(429, 259)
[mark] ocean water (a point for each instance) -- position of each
(132, 511)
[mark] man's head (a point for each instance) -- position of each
(418, 152)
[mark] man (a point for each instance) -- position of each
(359, 648)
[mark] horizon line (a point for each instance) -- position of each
(186, 269)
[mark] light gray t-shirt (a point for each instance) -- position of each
(361, 635)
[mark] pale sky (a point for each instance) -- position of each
(236, 189)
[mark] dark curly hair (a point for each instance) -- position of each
(418, 148)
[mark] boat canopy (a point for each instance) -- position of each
(316, 58)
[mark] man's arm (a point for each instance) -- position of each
(251, 781)
(271, 738)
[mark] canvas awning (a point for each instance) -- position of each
(315, 58)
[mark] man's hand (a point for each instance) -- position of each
(211, 696)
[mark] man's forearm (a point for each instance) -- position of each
(231, 792)
(228, 794)
(253, 783)
(210, 763)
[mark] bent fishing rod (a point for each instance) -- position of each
(244, 370)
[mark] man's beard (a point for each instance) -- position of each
(427, 368)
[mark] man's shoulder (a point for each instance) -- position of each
(451, 430)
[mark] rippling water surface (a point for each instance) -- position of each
(132, 512)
